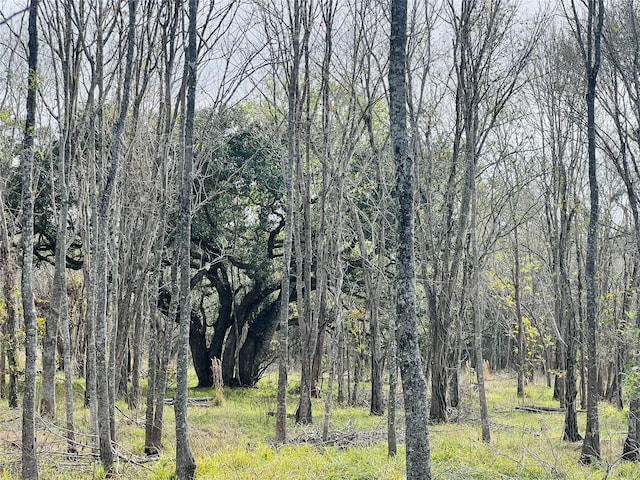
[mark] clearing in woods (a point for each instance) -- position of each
(234, 440)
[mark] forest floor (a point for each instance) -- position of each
(234, 440)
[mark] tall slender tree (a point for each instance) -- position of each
(288, 163)
(29, 457)
(622, 104)
(105, 400)
(589, 39)
(65, 49)
(185, 463)
(161, 328)
(9, 325)
(413, 380)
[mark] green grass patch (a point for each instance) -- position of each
(233, 439)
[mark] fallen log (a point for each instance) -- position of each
(536, 409)
(194, 401)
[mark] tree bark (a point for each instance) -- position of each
(29, 457)
(476, 319)
(9, 326)
(307, 320)
(288, 163)
(520, 326)
(631, 448)
(185, 463)
(334, 350)
(162, 326)
(418, 455)
(59, 318)
(104, 398)
(392, 442)
(590, 46)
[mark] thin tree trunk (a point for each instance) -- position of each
(153, 440)
(29, 457)
(591, 52)
(418, 456)
(138, 343)
(392, 443)
(571, 432)
(477, 319)
(340, 367)
(288, 164)
(631, 448)
(185, 463)
(516, 294)
(334, 349)
(60, 304)
(377, 359)
(90, 277)
(105, 400)
(162, 328)
(65, 167)
(9, 326)
(68, 377)
(3, 360)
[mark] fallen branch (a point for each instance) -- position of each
(195, 401)
(535, 409)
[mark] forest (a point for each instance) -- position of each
(375, 239)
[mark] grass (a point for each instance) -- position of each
(234, 440)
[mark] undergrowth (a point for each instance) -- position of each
(232, 438)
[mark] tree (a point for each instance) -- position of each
(105, 399)
(484, 34)
(236, 286)
(162, 322)
(413, 380)
(185, 463)
(289, 162)
(29, 458)
(589, 40)
(9, 325)
(65, 47)
(8, 226)
(620, 101)
(562, 146)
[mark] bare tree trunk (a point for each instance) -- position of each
(29, 458)
(392, 443)
(413, 382)
(571, 431)
(65, 170)
(589, 42)
(341, 398)
(631, 448)
(90, 277)
(476, 318)
(307, 321)
(58, 321)
(288, 164)
(161, 333)
(516, 294)
(334, 348)
(185, 463)
(68, 376)
(60, 307)
(105, 400)
(9, 326)
(153, 431)
(138, 344)
(3, 350)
